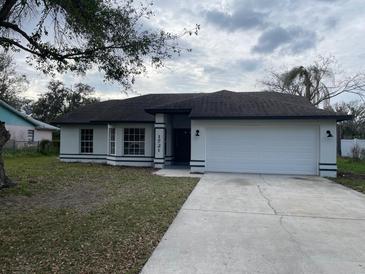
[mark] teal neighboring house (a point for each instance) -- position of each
(24, 129)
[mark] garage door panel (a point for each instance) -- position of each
(282, 150)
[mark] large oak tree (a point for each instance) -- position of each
(12, 84)
(79, 35)
(60, 99)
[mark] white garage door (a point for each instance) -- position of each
(256, 149)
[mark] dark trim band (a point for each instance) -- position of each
(84, 154)
(197, 165)
(197, 160)
(327, 164)
(74, 158)
(131, 156)
(317, 117)
(106, 155)
(326, 169)
(104, 159)
(131, 161)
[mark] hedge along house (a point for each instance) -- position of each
(224, 131)
(24, 129)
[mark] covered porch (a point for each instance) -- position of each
(172, 140)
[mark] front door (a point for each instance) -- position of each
(182, 145)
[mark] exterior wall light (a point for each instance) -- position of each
(197, 133)
(329, 134)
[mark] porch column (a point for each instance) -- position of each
(160, 140)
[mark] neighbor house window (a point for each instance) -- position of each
(86, 140)
(134, 141)
(30, 135)
(112, 141)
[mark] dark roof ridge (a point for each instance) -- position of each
(309, 105)
(181, 101)
(234, 92)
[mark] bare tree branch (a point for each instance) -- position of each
(78, 35)
(316, 82)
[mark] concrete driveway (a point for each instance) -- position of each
(239, 223)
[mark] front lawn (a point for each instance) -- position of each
(351, 173)
(84, 218)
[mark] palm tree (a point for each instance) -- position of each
(316, 82)
(303, 75)
(308, 82)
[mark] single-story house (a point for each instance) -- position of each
(23, 128)
(224, 131)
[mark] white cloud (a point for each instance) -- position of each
(238, 42)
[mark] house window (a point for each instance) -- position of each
(134, 141)
(86, 140)
(112, 141)
(30, 135)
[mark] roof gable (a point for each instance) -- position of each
(11, 116)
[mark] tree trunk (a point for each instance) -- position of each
(4, 137)
(339, 137)
(308, 84)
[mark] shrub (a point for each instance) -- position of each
(362, 154)
(45, 146)
(356, 152)
(48, 147)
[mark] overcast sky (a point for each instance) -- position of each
(239, 42)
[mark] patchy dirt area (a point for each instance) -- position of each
(84, 218)
(82, 198)
(350, 175)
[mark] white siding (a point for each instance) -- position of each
(145, 160)
(318, 154)
(70, 145)
(100, 139)
(19, 136)
(328, 149)
(323, 146)
(70, 139)
(19, 133)
(40, 135)
(120, 137)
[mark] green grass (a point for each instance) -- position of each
(83, 218)
(350, 165)
(351, 173)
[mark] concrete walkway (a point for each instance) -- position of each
(177, 172)
(238, 223)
